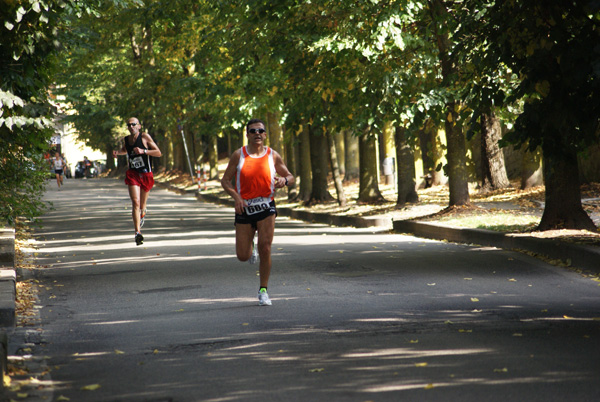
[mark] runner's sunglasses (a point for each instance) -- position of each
(257, 130)
(131, 124)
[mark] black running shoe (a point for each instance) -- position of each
(139, 239)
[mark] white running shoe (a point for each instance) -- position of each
(263, 299)
(142, 217)
(254, 256)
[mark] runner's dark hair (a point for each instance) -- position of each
(254, 121)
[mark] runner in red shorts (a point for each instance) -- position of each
(138, 147)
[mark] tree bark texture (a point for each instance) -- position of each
(319, 162)
(335, 169)
(494, 175)
(458, 182)
(340, 148)
(368, 182)
(305, 165)
(352, 159)
(213, 158)
(275, 132)
(292, 165)
(563, 209)
(407, 185)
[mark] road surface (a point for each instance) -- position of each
(356, 315)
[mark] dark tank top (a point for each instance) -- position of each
(139, 163)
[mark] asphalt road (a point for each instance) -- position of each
(356, 315)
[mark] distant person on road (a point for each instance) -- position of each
(254, 168)
(59, 166)
(139, 147)
(87, 165)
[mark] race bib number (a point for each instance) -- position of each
(256, 205)
(136, 163)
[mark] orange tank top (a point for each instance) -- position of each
(256, 175)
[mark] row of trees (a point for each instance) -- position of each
(321, 70)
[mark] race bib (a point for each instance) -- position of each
(136, 163)
(257, 205)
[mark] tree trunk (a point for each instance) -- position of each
(110, 161)
(213, 158)
(563, 209)
(292, 165)
(340, 148)
(406, 169)
(457, 162)
(179, 155)
(494, 175)
(531, 169)
(352, 159)
(335, 169)
(368, 184)
(305, 164)
(275, 132)
(318, 158)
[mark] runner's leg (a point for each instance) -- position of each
(143, 200)
(58, 179)
(266, 231)
(244, 233)
(134, 194)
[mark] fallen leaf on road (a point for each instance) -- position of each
(429, 386)
(63, 398)
(431, 284)
(421, 364)
(512, 280)
(92, 387)
(502, 370)
(414, 341)
(474, 299)
(119, 352)
(317, 370)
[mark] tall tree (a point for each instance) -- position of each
(553, 46)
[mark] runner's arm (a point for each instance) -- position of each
(285, 177)
(122, 151)
(150, 144)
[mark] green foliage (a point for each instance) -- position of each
(28, 45)
(553, 47)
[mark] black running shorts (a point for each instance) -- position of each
(246, 219)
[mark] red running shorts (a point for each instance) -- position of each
(145, 181)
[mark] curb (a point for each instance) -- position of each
(8, 294)
(579, 256)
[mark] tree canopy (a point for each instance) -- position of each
(210, 66)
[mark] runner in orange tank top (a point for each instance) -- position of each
(258, 170)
